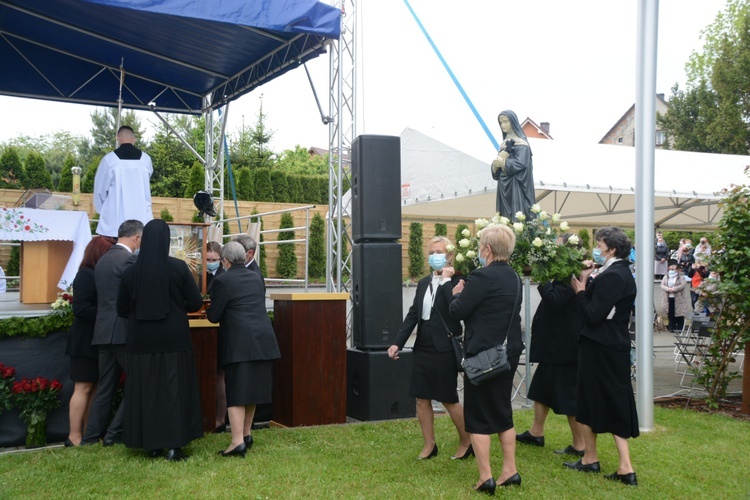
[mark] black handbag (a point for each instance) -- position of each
(456, 340)
(492, 362)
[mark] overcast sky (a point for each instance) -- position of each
(572, 64)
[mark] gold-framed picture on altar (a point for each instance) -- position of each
(187, 242)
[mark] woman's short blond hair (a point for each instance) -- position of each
(441, 239)
(500, 239)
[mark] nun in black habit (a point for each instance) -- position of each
(513, 169)
(162, 408)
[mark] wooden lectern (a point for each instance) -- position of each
(42, 265)
(309, 384)
(203, 335)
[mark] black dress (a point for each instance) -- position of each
(486, 306)
(434, 373)
(554, 347)
(605, 394)
(84, 358)
(162, 403)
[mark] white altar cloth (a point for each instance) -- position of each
(29, 224)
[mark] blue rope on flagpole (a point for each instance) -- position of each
(453, 77)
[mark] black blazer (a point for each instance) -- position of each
(210, 277)
(611, 293)
(556, 326)
(414, 316)
(253, 266)
(110, 328)
(84, 316)
(485, 306)
(239, 305)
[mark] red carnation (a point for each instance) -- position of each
(16, 389)
(55, 385)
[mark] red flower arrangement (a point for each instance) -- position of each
(35, 397)
(7, 374)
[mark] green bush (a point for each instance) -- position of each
(316, 267)
(196, 180)
(65, 184)
(296, 189)
(14, 262)
(263, 185)
(585, 237)
(165, 215)
(286, 263)
(36, 174)
(11, 169)
(416, 252)
(441, 229)
(245, 190)
(87, 182)
(280, 186)
(35, 327)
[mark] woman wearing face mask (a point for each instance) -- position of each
(605, 401)
(675, 301)
(434, 370)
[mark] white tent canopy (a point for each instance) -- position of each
(589, 185)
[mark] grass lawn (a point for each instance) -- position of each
(689, 455)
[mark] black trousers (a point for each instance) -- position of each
(112, 362)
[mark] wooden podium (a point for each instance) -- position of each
(42, 265)
(309, 386)
(203, 335)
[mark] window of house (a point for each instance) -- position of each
(619, 140)
(659, 137)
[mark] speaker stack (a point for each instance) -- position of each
(377, 387)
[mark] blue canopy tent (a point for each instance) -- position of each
(173, 53)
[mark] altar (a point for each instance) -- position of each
(52, 246)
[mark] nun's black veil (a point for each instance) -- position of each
(151, 285)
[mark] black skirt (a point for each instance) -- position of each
(249, 383)
(487, 407)
(434, 374)
(84, 370)
(162, 401)
(555, 386)
(605, 395)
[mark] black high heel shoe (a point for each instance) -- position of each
(249, 441)
(469, 453)
(432, 454)
(488, 487)
(68, 443)
(514, 480)
(237, 451)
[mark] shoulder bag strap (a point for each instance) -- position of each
(515, 306)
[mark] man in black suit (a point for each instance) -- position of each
(249, 244)
(109, 333)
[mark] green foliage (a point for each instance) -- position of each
(172, 162)
(197, 217)
(264, 190)
(286, 263)
(316, 267)
(14, 262)
(711, 115)
(36, 174)
(260, 253)
(441, 229)
(245, 188)
(280, 186)
(87, 181)
(416, 251)
(36, 326)
(732, 262)
(65, 184)
(296, 189)
(11, 169)
(165, 215)
(196, 180)
(585, 237)
(299, 161)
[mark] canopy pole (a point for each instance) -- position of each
(645, 139)
(455, 80)
(119, 99)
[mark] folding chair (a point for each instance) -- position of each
(696, 353)
(519, 380)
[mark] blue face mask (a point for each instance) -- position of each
(482, 260)
(212, 266)
(672, 272)
(598, 258)
(437, 261)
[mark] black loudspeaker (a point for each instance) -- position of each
(377, 311)
(376, 188)
(377, 388)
